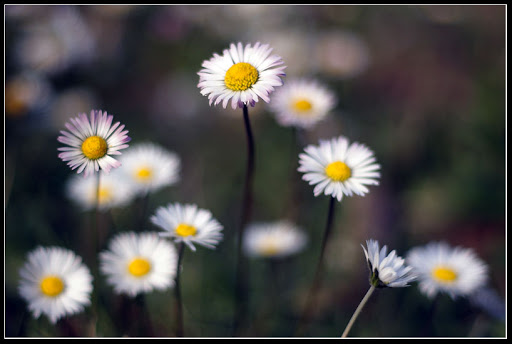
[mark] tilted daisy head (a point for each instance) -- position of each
(188, 224)
(149, 167)
(337, 168)
(274, 239)
(55, 282)
(92, 142)
(113, 192)
(137, 263)
(301, 103)
(386, 270)
(241, 74)
(456, 271)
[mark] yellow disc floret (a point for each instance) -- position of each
(444, 275)
(269, 247)
(144, 174)
(241, 76)
(338, 171)
(302, 105)
(52, 286)
(94, 147)
(139, 267)
(185, 230)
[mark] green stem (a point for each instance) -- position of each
(358, 310)
(241, 268)
(319, 267)
(177, 294)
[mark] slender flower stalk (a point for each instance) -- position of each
(306, 315)
(178, 305)
(358, 310)
(241, 278)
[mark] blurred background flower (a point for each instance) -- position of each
(423, 85)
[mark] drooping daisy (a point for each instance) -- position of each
(114, 191)
(55, 282)
(386, 270)
(241, 74)
(188, 224)
(91, 143)
(150, 167)
(456, 271)
(139, 263)
(337, 168)
(277, 239)
(301, 103)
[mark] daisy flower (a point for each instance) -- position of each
(91, 143)
(456, 271)
(386, 270)
(241, 74)
(55, 282)
(114, 191)
(150, 167)
(188, 224)
(301, 103)
(276, 239)
(139, 263)
(337, 168)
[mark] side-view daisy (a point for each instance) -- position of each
(92, 142)
(188, 224)
(139, 263)
(274, 239)
(386, 270)
(55, 282)
(150, 167)
(301, 103)
(456, 271)
(337, 168)
(113, 192)
(241, 74)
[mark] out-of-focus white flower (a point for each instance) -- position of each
(55, 282)
(456, 271)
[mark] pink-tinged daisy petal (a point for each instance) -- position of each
(241, 74)
(90, 142)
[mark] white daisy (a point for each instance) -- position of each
(188, 224)
(277, 239)
(55, 282)
(386, 270)
(242, 74)
(139, 263)
(456, 271)
(301, 103)
(150, 167)
(92, 142)
(114, 191)
(338, 168)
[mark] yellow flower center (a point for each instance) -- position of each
(52, 286)
(444, 275)
(185, 230)
(139, 267)
(144, 173)
(338, 171)
(302, 105)
(269, 248)
(94, 147)
(241, 76)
